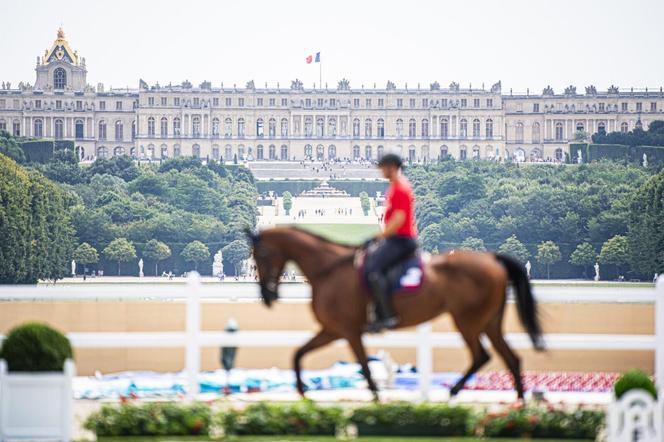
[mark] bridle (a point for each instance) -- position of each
(269, 283)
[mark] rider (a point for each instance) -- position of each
(396, 241)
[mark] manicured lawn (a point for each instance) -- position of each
(317, 439)
(345, 233)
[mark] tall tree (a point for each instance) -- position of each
(615, 251)
(195, 252)
(584, 256)
(157, 251)
(86, 254)
(515, 248)
(236, 252)
(365, 202)
(548, 253)
(646, 227)
(120, 250)
(472, 243)
(287, 201)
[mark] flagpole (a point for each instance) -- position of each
(320, 74)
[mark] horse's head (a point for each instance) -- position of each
(270, 263)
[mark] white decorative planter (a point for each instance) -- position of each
(636, 417)
(36, 405)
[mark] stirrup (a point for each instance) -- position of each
(379, 325)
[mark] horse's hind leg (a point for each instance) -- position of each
(355, 342)
(495, 334)
(478, 353)
(322, 338)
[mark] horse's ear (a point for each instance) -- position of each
(253, 237)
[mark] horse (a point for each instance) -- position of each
(471, 286)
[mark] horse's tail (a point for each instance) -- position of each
(525, 301)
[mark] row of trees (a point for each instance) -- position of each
(589, 204)
(36, 231)
(614, 252)
(121, 250)
(654, 136)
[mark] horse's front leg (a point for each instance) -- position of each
(322, 338)
(357, 346)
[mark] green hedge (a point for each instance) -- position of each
(545, 423)
(35, 347)
(64, 145)
(304, 417)
(616, 152)
(405, 419)
(307, 418)
(38, 151)
(296, 187)
(150, 419)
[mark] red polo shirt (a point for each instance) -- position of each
(399, 196)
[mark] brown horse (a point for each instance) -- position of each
(471, 286)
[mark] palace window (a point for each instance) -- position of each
(240, 127)
(399, 103)
(215, 127)
(176, 101)
(535, 107)
(443, 102)
(59, 78)
(463, 128)
(412, 128)
(381, 102)
(476, 128)
(16, 127)
(229, 102)
(272, 152)
(196, 126)
(601, 127)
(411, 102)
(228, 128)
(333, 102)
(425, 128)
(308, 151)
(119, 130)
(623, 107)
(319, 103)
(59, 129)
(284, 152)
(639, 107)
(164, 127)
(58, 104)
(476, 102)
(356, 102)
(559, 131)
(259, 152)
(308, 127)
(164, 101)
(368, 128)
(260, 126)
(489, 102)
(240, 102)
(464, 102)
(176, 126)
(3, 125)
(150, 101)
(332, 127)
(356, 127)
(284, 127)
(367, 153)
(368, 103)
(118, 105)
(259, 102)
(39, 128)
(399, 127)
(272, 102)
(102, 130)
(331, 152)
(307, 102)
(444, 128)
(489, 128)
(624, 127)
(536, 133)
(78, 129)
(284, 102)
(196, 151)
(272, 128)
(381, 128)
(425, 103)
(102, 105)
(320, 126)
(356, 152)
(150, 127)
(653, 106)
(519, 133)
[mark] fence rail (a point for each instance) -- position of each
(423, 339)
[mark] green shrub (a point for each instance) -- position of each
(151, 419)
(634, 379)
(404, 419)
(542, 423)
(303, 417)
(35, 347)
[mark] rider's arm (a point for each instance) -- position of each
(391, 228)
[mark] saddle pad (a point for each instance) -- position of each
(404, 278)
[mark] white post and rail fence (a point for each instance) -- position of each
(423, 339)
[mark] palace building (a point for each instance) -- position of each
(295, 123)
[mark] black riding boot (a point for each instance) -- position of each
(385, 317)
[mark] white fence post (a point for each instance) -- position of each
(424, 359)
(193, 349)
(659, 333)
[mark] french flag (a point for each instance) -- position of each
(311, 58)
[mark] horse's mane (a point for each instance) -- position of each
(322, 238)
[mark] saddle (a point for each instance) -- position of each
(403, 278)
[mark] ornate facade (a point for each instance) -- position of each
(294, 123)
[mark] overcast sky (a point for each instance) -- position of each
(524, 43)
